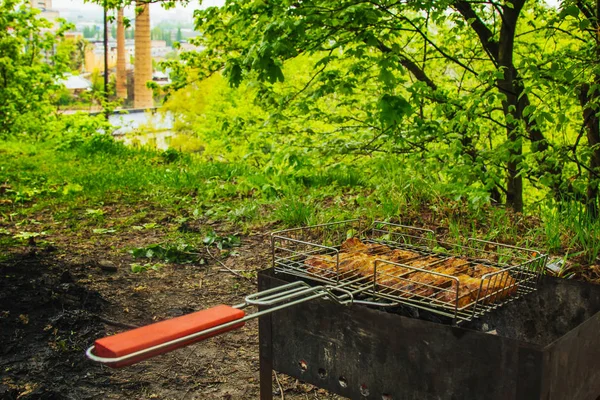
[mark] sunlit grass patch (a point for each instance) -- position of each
(293, 211)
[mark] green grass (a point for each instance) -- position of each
(295, 212)
(96, 183)
(567, 228)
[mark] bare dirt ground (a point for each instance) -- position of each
(55, 300)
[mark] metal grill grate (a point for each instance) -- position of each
(399, 264)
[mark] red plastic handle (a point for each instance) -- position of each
(148, 336)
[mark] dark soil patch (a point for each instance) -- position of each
(53, 305)
(46, 322)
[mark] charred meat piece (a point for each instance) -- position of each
(478, 270)
(428, 262)
(322, 265)
(357, 263)
(438, 283)
(377, 248)
(497, 287)
(455, 262)
(425, 284)
(467, 290)
(398, 255)
(354, 245)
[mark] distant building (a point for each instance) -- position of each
(73, 35)
(76, 84)
(185, 46)
(94, 58)
(161, 78)
(45, 6)
(42, 4)
(160, 49)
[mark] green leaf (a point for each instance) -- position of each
(572, 11)
(72, 188)
(392, 109)
(234, 72)
(584, 24)
(103, 231)
(387, 77)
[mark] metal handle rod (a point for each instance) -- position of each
(322, 292)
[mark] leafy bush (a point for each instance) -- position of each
(29, 69)
(171, 155)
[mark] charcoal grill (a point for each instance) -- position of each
(541, 346)
(416, 339)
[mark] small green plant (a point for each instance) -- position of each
(137, 268)
(173, 253)
(103, 231)
(72, 188)
(249, 274)
(94, 213)
(245, 212)
(150, 225)
(222, 242)
(28, 235)
(170, 155)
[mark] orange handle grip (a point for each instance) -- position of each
(148, 336)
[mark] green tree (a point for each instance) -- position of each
(29, 68)
(89, 32)
(417, 63)
(573, 71)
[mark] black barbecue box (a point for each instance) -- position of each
(386, 311)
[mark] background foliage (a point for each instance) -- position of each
(452, 113)
(495, 99)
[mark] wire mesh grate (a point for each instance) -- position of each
(408, 265)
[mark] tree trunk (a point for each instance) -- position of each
(121, 57)
(593, 137)
(511, 105)
(143, 57)
(589, 100)
(501, 53)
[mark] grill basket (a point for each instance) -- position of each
(458, 280)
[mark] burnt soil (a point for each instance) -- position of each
(55, 300)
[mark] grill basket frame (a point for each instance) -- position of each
(516, 270)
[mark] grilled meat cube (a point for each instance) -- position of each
(424, 262)
(377, 248)
(390, 275)
(354, 245)
(399, 255)
(478, 270)
(455, 262)
(497, 287)
(427, 283)
(466, 295)
(323, 265)
(356, 263)
(468, 288)
(327, 265)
